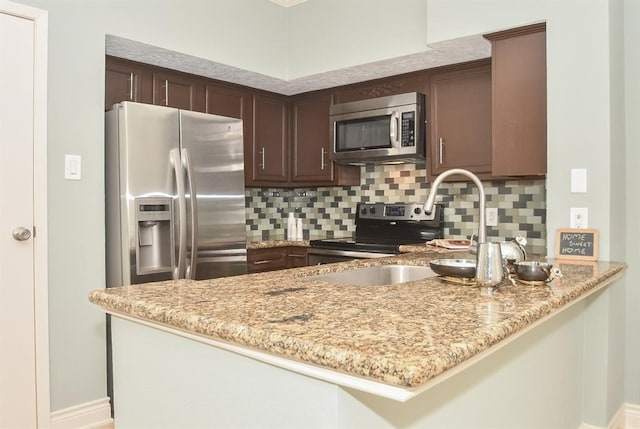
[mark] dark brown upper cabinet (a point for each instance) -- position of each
(311, 144)
(127, 81)
(460, 132)
(487, 116)
(519, 105)
(178, 90)
(400, 84)
(227, 101)
(269, 147)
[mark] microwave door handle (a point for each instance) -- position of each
(393, 129)
(176, 163)
(190, 272)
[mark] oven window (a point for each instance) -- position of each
(365, 133)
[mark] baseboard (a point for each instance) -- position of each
(627, 417)
(90, 415)
(632, 416)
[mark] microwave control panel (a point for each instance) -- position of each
(408, 126)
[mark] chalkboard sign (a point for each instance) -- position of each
(577, 244)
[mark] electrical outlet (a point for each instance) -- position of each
(492, 216)
(579, 217)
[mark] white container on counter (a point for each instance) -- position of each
(299, 230)
(291, 228)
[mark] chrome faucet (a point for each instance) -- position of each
(490, 268)
(428, 205)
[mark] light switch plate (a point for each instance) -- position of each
(578, 180)
(72, 167)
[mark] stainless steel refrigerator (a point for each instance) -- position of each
(175, 204)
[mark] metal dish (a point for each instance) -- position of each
(462, 268)
(533, 271)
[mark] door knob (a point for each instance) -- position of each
(21, 234)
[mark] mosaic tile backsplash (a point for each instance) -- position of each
(329, 211)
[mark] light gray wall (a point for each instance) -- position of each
(615, 356)
(632, 194)
(579, 127)
(584, 66)
(332, 34)
(577, 71)
(247, 34)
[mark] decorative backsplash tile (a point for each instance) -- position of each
(329, 211)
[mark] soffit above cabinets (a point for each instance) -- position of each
(453, 51)
(288, 3)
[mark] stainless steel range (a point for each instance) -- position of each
(380, 230)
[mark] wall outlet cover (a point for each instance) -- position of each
(579, 217)
(491, 214)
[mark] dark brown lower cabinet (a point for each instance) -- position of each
(297, 257)
(276, 258)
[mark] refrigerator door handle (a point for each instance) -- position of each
(188, 167)
(176, 163)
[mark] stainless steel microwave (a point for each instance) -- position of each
(387, 130)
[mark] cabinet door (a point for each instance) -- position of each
(311, 139)
(269, 150)
(227, 101)
(126, 81)
(461, 121)
(176, 90)
(519, 101)
(270, 259)
(311, 142)
(296, 257)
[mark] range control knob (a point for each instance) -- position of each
(372, 210)
(417, 210)
(363, 211)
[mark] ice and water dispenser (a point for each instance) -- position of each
(154, 247)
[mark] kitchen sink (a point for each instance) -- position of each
(378, 275)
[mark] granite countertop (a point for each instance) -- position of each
(401, 335)
(268, 244)
(281, 242)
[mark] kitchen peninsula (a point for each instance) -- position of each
(280, 350)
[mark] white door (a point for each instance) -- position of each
(21, 309)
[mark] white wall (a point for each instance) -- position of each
(252, 34)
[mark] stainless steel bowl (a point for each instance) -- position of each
(463, 268)
(534, 271)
